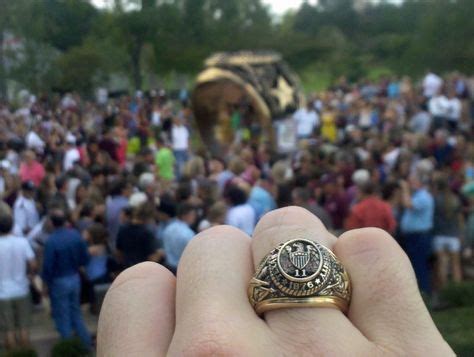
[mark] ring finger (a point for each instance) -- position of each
(305, 326)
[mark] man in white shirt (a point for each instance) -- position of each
(16, 256)
(431, 85)
(306, 121)
(72, 153)
(25, 213)
(438, 108)
(34, 142)
(453, 110)
(180, 144)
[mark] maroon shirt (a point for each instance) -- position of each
(337, 206)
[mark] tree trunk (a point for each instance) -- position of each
(3, 75)
(136, 70)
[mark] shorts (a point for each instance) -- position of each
(15, 314)
(449, 243)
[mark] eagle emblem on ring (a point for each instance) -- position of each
(299, 258)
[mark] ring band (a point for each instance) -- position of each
(300, 273)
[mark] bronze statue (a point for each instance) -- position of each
(241, 94)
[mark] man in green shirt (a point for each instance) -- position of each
(164, 160)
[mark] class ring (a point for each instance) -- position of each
(300, 273)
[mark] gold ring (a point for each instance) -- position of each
(300, 273)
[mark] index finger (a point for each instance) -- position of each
(137, 317)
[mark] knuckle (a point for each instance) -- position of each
(380, 256)
(139, 273)
(277, 216)
(211, 343)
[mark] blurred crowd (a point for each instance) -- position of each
(90, 188)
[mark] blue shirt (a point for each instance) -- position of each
(64, 253)
(418, 218)
(114, 207)
(261, 201)
(176, 237)
(97, 267)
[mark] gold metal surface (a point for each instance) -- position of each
(300, 273)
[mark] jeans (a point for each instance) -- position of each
(418, 248)
(181, 157)
(65, 295)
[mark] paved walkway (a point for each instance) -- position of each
(43, 332)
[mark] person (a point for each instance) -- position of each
(453, 110)
(96, 271)
(164, 160)
(219, 172)
(335, 201)
(119, 193)
(302, 198)
(432, 84)
(135, 241)
(261, 197)
(448, 225)
(71, 155)
(25, 213)
(370, 211)
(31, 169)
(240, 213)
(307, 120)
(438, 106)
(65, 253)
(205, 311)
(165, 213)
(178, 234)
(17, 260)
(420, 123)
(215, 216)
(416, 225)
(180, 144)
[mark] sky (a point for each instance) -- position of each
(279, 7)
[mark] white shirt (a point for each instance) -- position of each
(25, 215)
(180, 137)
(70, 157)
(306, 120)
(2, 186)
(453, 109)
(15, 252)
(431, 85)
(242, 217)
(438, 106)
(156, 118)
(34, 142)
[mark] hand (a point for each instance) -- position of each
(205, 311)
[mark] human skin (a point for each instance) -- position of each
(205, 310)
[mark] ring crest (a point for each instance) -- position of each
(300, 273)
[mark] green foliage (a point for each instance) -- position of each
(79, 68)
(70, 43)
(71, 348)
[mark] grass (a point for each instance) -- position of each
(457, 323)
(457, 327)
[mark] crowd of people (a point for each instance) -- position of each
(90, 188)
